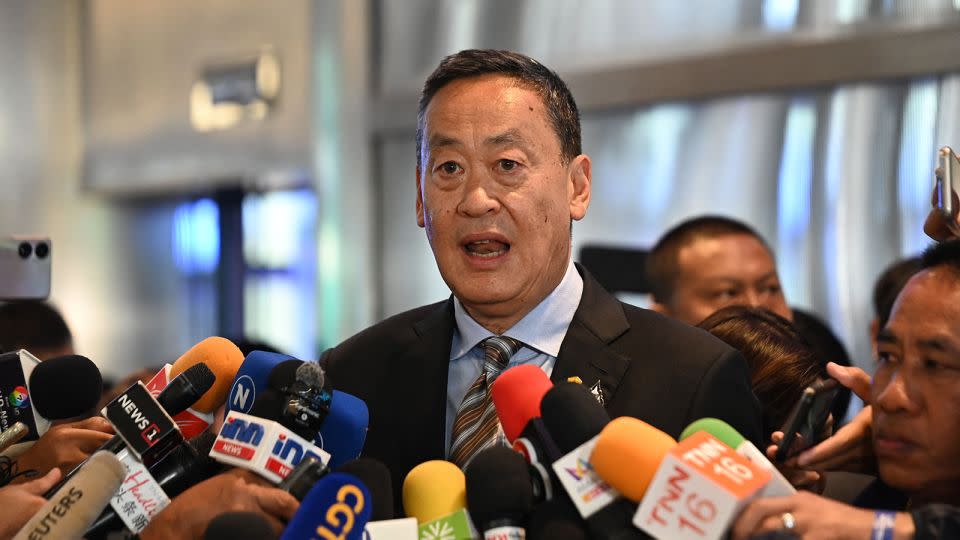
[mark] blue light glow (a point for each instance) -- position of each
(196, 237)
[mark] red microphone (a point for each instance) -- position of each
(517, 394)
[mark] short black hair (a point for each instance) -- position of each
(942, 254)
(662, 262)
(889, 285)
(32, 324)
(561, 107)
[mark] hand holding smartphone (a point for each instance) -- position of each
(808, 418)
(947, 187)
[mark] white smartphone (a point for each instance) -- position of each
(947, 183)
(24, 267)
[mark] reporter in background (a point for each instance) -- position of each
(36, 326)
(781, 364)
(236, 490)
(915, 424)
(706, 263)
(19, 503)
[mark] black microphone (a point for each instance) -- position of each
(499, 493)
(239, 526)
(188, 464)
(556, 518)
(375, 475)
(179, 394)
(574, 418)
(307, 473)
(65, 387)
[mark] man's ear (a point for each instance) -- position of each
(580, 181)
(420, 221)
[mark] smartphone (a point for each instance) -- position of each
(808, 418)
(24, 267)
(947, 182)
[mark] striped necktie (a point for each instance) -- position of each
(476, 426)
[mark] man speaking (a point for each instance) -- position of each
(500, 179)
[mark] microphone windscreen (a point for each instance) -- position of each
(223, 358)
(517, 394)
(252, 379)
(434, 489)
(65, 387)
(284, 374)
(628, 453)
(572, 415)
(338, 506)
(375, 475)
(556, 518)
(239, 526)
(498, 487)
(723, 431)
(310, 374)
(344, 431)
(74, 506)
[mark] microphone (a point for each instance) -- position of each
(11, 436)
(144, 493)
(517, 394)
(713, 482)
(239, 526)
(778, 486)
(141, 422)
(339, 506)
(574, 419)
(336, 421)
(628, 453)
(435, 493)
(73, 507)
(136, 407)
(556, 518)
(499, 493)
(222, 358)
(307, 473)
(15, 403)
(375, 475)
(252, 378)
(262, 446)
(65, 387)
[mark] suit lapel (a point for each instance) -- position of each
(422, 377)
(585, 351)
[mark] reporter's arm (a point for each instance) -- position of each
(189, 513)
(65, 446)
(20, 502)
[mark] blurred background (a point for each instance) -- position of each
(239, 167)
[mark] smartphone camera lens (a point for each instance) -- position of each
(42, 250)
(24, 250)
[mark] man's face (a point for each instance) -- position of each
(734, 269)
(916, 390)
(496, 197)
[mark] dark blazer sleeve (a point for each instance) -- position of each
(725, 392)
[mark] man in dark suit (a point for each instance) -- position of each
(500, 179)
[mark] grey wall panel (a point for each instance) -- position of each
(141, 61)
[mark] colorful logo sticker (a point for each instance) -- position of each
(19, 397)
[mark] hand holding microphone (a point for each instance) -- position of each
(237, 490)
(65, 446)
